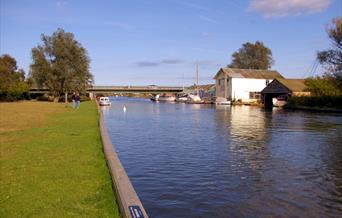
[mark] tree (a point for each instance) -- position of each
(12, 79)
(252, 56)
(332, 59)
(322, 86)
(60, 64)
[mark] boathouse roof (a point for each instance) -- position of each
(249, 73)
(295, 85)
(292, 85)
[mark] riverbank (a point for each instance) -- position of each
(313, 109)
(52, 163)
(316, 103)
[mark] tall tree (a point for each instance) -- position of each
(12, 79)
(60, 64)
(332, 59)
(252, 56)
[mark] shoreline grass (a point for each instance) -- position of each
(316, 102)
(52, 163)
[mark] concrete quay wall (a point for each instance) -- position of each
(129, 202)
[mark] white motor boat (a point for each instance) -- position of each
(279, 101)
(155, 98)
(182, 98)
(104, 101)
(222, 101)
(167, 98)
(164, 97)
(193, 99)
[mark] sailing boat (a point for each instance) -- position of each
(195, 98)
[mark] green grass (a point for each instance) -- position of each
(52, 163)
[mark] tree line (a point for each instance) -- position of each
(12, 80)
(61, 64)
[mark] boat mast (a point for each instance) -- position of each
(197, 78)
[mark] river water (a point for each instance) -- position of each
(240, 161)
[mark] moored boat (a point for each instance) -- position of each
(193, 99)
(279, 101)
(167, 98)
(222, 101)
(104, 101)
(164, 97)
(182, 98)
(154, 98)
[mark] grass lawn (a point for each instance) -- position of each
(52, 163)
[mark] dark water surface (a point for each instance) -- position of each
(206, 161)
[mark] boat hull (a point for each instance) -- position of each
(167, 98)
(193, 99)
(223, 103)
(105, 104)
(163, 98)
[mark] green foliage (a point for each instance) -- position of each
(12, 81)
(315, 102)
(61, 64)
(332, 59)
(82, 98)
(328, 86)
(252, 56)
(323, 86)
(56, 168)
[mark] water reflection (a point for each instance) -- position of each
(206, 161)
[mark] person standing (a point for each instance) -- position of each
(73, 100)
(78, 101)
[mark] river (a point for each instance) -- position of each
(229, 161)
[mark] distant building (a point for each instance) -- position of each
(243, 85)
(284, 88)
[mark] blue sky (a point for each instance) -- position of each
(144, 42)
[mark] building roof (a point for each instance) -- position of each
(295, 85)
(249, 73)
(283, 86)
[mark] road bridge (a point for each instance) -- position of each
(124, 89)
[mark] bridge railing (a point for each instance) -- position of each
(136, 87)
(121, 88)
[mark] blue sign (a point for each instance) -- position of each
(135, 211)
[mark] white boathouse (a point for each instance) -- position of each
(244, 85)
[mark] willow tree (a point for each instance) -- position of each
(60, 64)
(252, 56)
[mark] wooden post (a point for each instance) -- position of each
(225, 85)
(66, 97)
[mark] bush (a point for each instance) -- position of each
(15, 91)
(315, 101)
(44, 97)
(82, 97)
(12, 81)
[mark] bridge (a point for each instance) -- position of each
(124, 89)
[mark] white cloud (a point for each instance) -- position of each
(192, 5)
(281, 8)
(208, 19)
(61, 4)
